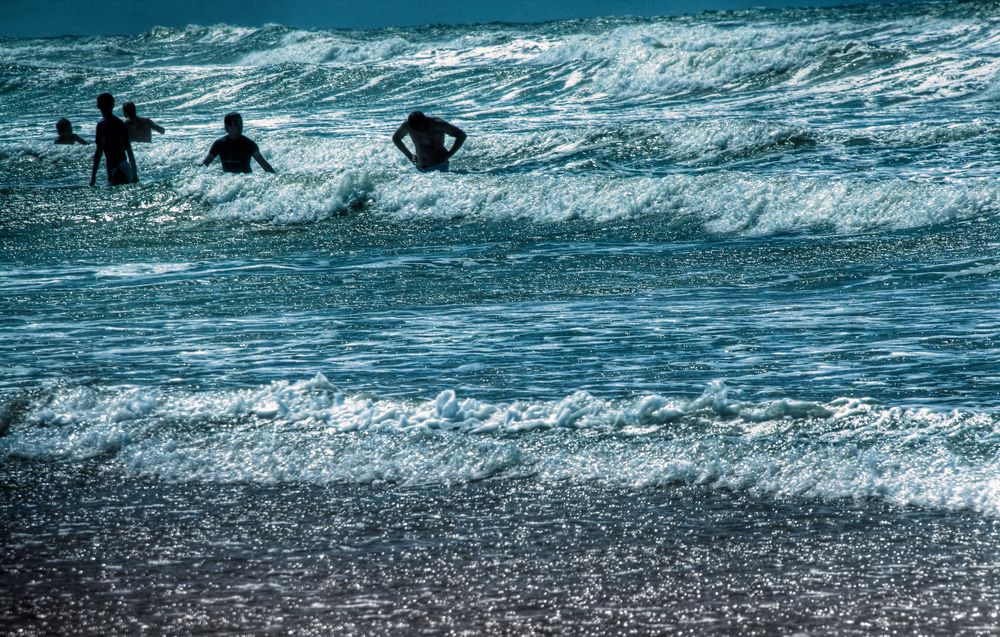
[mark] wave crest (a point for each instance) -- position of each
(310, 431)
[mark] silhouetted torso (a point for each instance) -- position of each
(234, 154)
(70, 139)
(140, 129)
(429, 144)
(113, 136)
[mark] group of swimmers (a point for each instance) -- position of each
(114, 139)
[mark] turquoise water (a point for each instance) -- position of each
(700, 334)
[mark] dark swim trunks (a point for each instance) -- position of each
(121, 174)
(235, 154)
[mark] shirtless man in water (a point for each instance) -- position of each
(139, 128)
(234, 149)
(427, 134)
(66, 135)
(114, 145)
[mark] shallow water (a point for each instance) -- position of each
(727, 279)
(495, 557)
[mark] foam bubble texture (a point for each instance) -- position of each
(310, 431)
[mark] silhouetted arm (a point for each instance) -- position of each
(455, 132)
(263, 162)
(397, 139)
(79, 140)
(99, 141)
(131, 160)
(159, 129)
(209, 158)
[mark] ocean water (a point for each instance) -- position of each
(701, 335)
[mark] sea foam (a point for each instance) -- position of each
(311, 431)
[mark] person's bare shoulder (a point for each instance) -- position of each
(447, 127)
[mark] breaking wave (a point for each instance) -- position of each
(311, 431)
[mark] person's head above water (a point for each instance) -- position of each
(129, 109)
(105, 102)
(234, 124)
(417, 120)
(64, 126)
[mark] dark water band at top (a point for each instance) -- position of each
(889, 55)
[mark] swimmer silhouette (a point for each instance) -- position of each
(66, 135)
(140, 129)
(112, 141)
(234, 150)
(427, 134)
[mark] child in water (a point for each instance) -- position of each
(66, 135)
